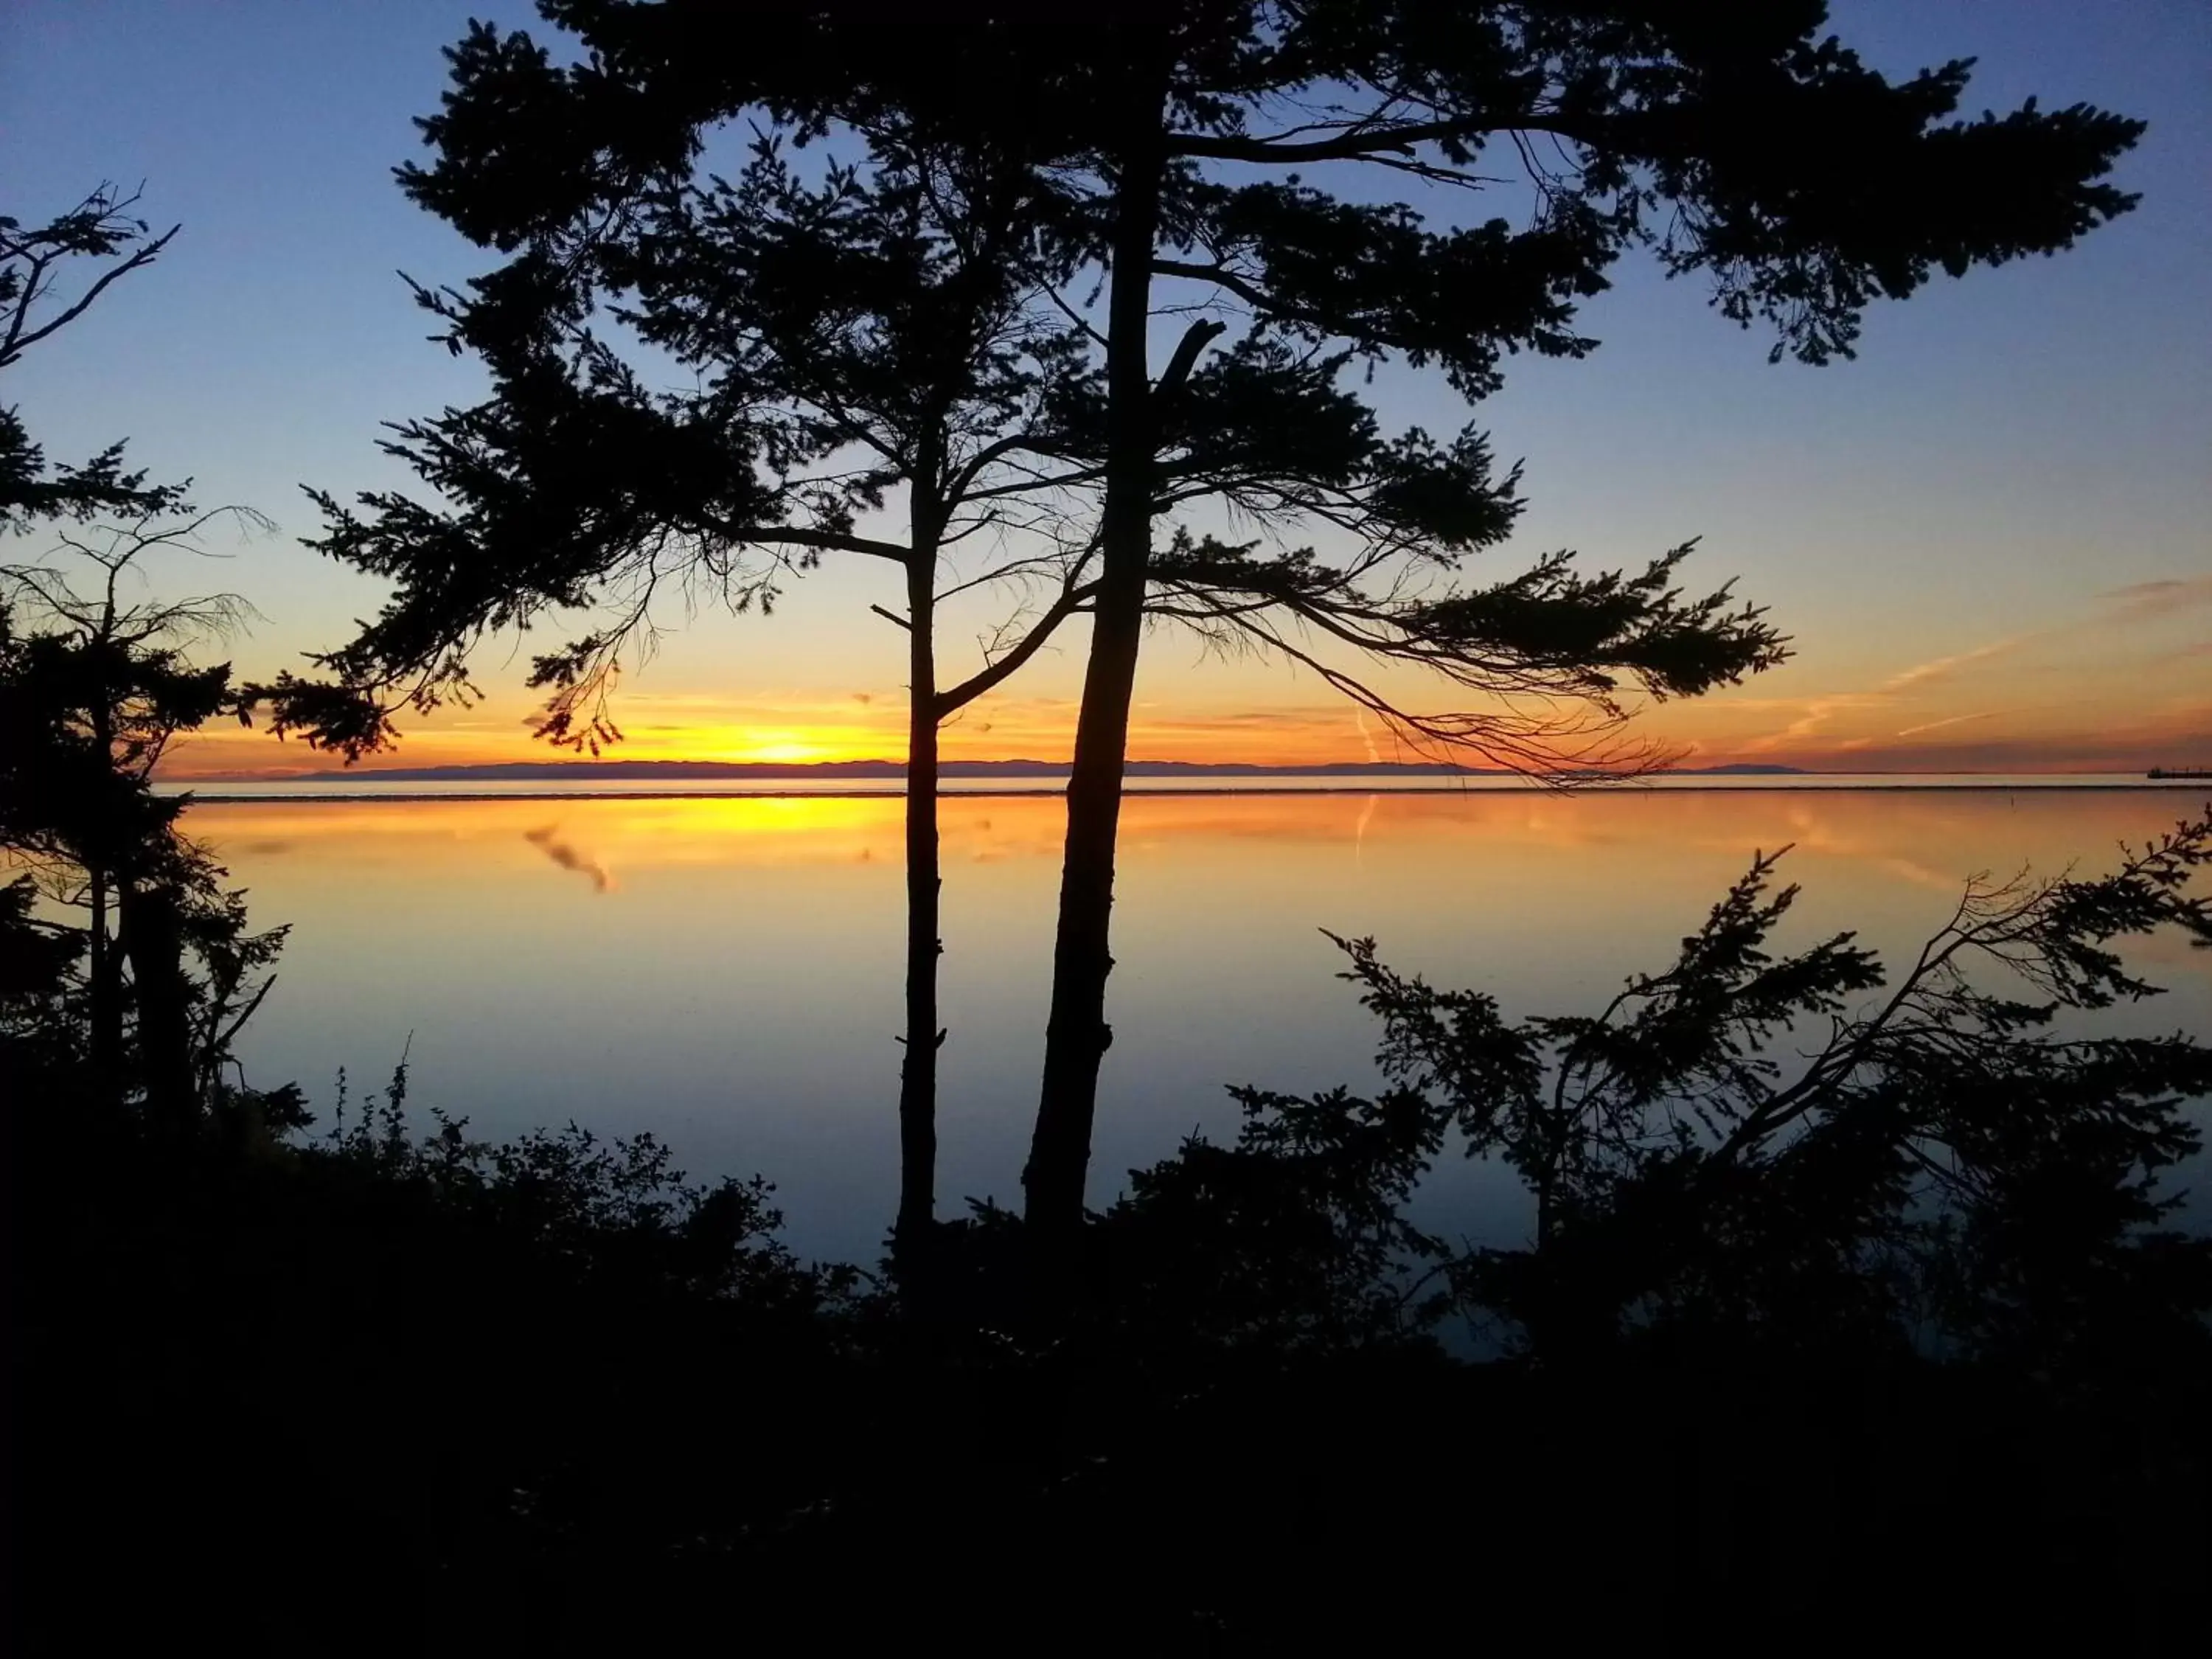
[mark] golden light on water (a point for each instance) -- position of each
(1929, 838)
(729, 969)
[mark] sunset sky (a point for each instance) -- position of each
(1991, 537)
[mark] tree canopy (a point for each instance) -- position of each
(1312, 191)
(93, 687)
(34, 307)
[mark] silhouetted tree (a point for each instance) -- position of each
(92, 690)
(1942, 1165)
(871, 327)
(43, 1024)
(586, 173)
(35, 305)
(1749, 148)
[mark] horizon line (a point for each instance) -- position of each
(461, 771)
(887, 767)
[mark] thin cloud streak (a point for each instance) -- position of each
(1924, 673)
(1937, 725)
(2153, 601)
(1819, 711)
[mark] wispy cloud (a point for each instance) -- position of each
(2137, 603)
(1943, 667)
(2154, 600)
(1937, 725)
(1818, 712)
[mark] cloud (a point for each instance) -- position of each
(1955, 720)
(1819, 711)
(2125, 753)
(2136, 604)
(1360, 719)
(2153, 601)
(1943, 667)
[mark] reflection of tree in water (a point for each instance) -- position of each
(548, 841)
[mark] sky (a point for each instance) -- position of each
(1990, 537)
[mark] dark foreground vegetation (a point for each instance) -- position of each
(1890, 1347)
(1851, 1310)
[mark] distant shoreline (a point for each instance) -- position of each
(2058, 785)
(888, 771)
(987, 779)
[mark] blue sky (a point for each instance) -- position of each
(1993, 527)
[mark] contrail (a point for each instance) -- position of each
(1375, 758)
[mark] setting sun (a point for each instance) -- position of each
(781, 748)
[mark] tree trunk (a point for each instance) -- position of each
(107, 1002)
(918, 1075)
(106, 973)
(1076, 1034)
(153, 936)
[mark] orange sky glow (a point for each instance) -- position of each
(1874, 730)
(2121, 683)
(1990, 535)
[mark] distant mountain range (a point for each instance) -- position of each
(644, 771)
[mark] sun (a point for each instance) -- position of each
(780, 749)
(794, 743)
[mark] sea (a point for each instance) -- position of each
(720, 966)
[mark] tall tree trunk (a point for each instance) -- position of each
(153, 936)
(1076, 1034)
(107, 972)
(918, 1076)
(106, 1001)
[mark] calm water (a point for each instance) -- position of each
(725, 970)
(366, 785)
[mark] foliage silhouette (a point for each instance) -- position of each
(862, 329)
(1752, 151)
(164, 962)
(1800, 182)
(1779, 1326)
(1901, 1174)
(1803, 184)
(587, 175)
(551, 1392)
(101, 227)
(425, 1357)
(93, 687)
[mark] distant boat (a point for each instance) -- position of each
(2181, 772)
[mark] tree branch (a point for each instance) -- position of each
(1353, 145)
(20, 338)
(1195, 340)
(968, 690)
(1221, 275)
(829, 540)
